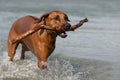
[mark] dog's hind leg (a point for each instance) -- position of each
(24, 49)
(11, 49)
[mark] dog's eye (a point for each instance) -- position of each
(56, 18)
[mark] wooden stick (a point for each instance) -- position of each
(36, 28)
(78, 24)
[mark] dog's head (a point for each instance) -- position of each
(58, 20)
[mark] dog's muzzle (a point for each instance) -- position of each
(67, 26)
(63, 33)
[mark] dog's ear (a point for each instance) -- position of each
(66, 17)
(43, 17)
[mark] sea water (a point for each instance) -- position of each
(90, 53)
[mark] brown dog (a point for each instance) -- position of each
(42, 42)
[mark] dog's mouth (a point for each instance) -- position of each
(62, 34)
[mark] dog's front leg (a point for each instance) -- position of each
(42, 64)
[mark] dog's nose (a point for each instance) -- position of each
(67, 26)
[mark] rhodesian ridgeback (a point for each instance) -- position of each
(41, 42)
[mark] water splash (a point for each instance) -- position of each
(59, 69)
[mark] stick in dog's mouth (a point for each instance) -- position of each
(38, 27)
(62, 34)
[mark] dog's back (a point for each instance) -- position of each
(23, 24)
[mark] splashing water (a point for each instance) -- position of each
(59, 69)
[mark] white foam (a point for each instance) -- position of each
(58, 69)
